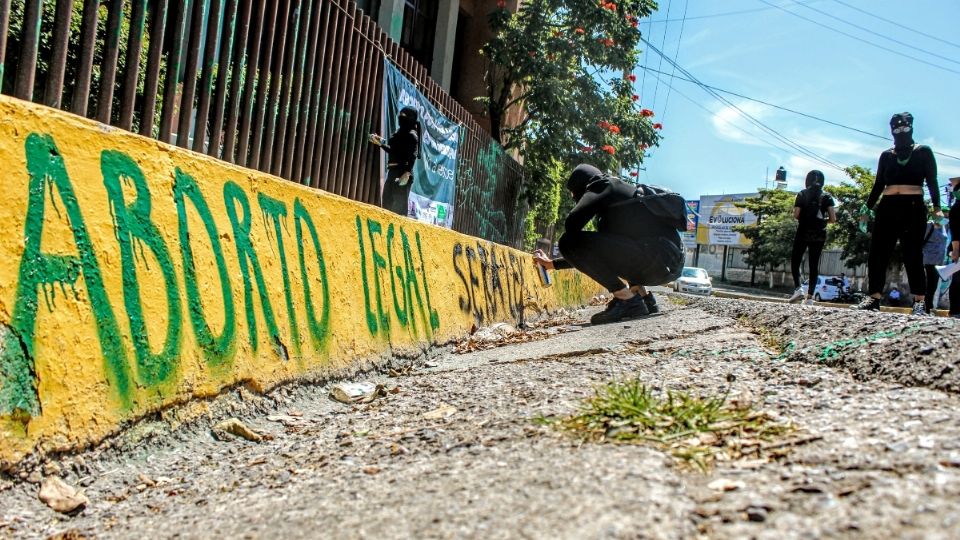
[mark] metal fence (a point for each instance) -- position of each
(288, 87)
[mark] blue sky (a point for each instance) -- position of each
(771, 55)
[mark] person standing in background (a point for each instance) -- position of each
(955, 246)
(934, 248)
(812, 209)
(902, 213)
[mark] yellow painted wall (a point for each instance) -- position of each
(134, 275)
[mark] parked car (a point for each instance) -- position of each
(693, 280)
(828, 288)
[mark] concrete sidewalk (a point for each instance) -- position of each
(458, 450)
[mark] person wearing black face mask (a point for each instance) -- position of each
(813, 209)
(630, 244)
(403, 149)
(902, 213)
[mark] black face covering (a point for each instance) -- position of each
(581, 177)
(815, 178)
(407, 118)
(901, 126)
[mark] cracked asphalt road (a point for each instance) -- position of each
(882, 457)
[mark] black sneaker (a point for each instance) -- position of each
(651, 303)
(868, 304)
(619, 310)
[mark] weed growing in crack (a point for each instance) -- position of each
(767, 336)
(694, 429)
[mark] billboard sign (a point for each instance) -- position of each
(693, 214)
(719, 215)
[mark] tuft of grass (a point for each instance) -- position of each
(767, 337)
(694, 429)
(678, 300)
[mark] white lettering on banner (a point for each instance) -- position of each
(442, 149)
(407, 100)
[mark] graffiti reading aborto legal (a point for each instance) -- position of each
(141, 245)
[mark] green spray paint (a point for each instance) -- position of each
(218, 350)
(379, 263)
(247, 257)
(434, 316)
(132, 224)
(319, 330)
(17, 377)
(277, 211)
(396, 272)
(371, 317)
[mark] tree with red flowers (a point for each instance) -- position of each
(566, 66)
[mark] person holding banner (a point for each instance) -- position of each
(637, 240)
(403, 150)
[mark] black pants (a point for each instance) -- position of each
(395, 196)
(933, 281)
(816, 248)
(900, 218)
(608, 257)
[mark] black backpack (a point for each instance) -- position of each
(812, 213)
(664, 204)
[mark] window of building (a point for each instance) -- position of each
(370, 7)
(419, 29)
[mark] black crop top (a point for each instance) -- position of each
(920, 166)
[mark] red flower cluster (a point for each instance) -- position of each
(632, 78)
(612, 128)
(609, 149)
(646, 113)
(634, 173)
(502, 4)
(579, 31)
(634, 97)
(586, 148)
(609, 42)
(609, 6)
(643, 147)
(658, 126)
(634, 22)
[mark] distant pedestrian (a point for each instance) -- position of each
(813, 209)
(636, 240)
(902, 213)
(955, 246)
(403, 150)
(934, 249)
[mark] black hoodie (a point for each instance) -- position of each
(597, 193)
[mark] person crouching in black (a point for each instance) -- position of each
(630, 244)
(403, 149)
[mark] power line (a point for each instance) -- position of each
(869, 31)
(686, 4)
(663, 41)
(713, 15)
(787, 109)
(724, 120)
(888, 49)
(746, 115)
(898, 24)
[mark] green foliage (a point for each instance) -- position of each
(562, 69)
(850, 197)
(45, 53)
(772, 236)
